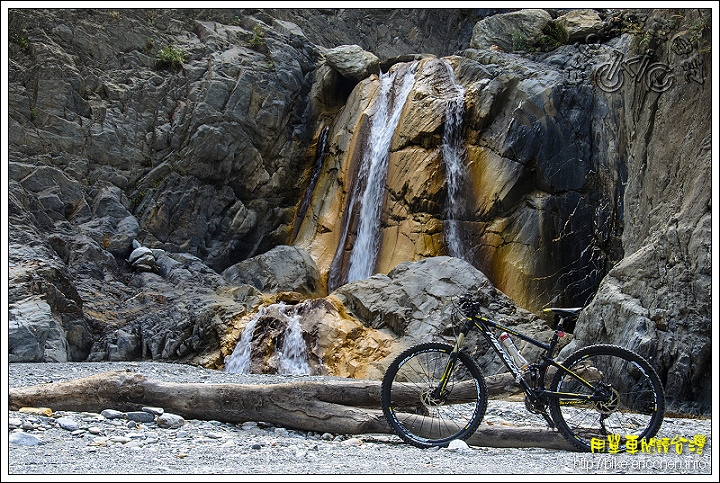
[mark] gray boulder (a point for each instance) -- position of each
(24, 439)
(416, 300)
(282, 269)
(580, 25)
(142, 258)
(170, 421)
(510, 31)
(353, 61)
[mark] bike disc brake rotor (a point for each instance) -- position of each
(611, 404)
(429, 401)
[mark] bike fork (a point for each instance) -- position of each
(439, 391)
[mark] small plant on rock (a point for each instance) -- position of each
(551, 38)
(22, 41)
(257, 39)
(170, 57)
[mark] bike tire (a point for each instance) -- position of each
(409, 411)
(636, 408)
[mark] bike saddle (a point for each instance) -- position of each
(564, 312)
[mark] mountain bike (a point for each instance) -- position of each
(433, 393)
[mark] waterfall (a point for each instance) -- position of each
(292, 356)
(453, 152)
(239, 360)
(373, 171)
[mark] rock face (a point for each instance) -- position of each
(535, 176)
(657, 299)
(230, 143)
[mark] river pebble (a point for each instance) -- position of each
(162, 443)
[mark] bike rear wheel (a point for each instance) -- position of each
(634, 402)
(421, 418)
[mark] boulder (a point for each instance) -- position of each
(416, 301)
(142, 259)
(581, 25)
(510, 31)
(352, 61)
(282, 269)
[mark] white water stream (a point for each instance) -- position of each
(454, 155)
(292, 356)
(373, 171)
(239, 360)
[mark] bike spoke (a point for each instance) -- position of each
(629, 397)
(411, 403)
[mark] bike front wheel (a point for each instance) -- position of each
(415, 407)
(630, 401)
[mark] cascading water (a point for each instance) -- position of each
(292, 356)
(373, 171)
(454, 154)
(239, 360)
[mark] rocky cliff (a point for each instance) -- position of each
(236, 148)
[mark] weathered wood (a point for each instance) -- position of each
(334, 406)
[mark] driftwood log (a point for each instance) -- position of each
(335, 406)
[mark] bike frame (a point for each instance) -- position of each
(538, 393)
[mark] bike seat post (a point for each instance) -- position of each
(557, 335)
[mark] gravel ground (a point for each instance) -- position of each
(85, 444)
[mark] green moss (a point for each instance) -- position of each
(519, 40)
(552, 37)
(22, 41)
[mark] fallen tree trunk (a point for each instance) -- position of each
(335, 406)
